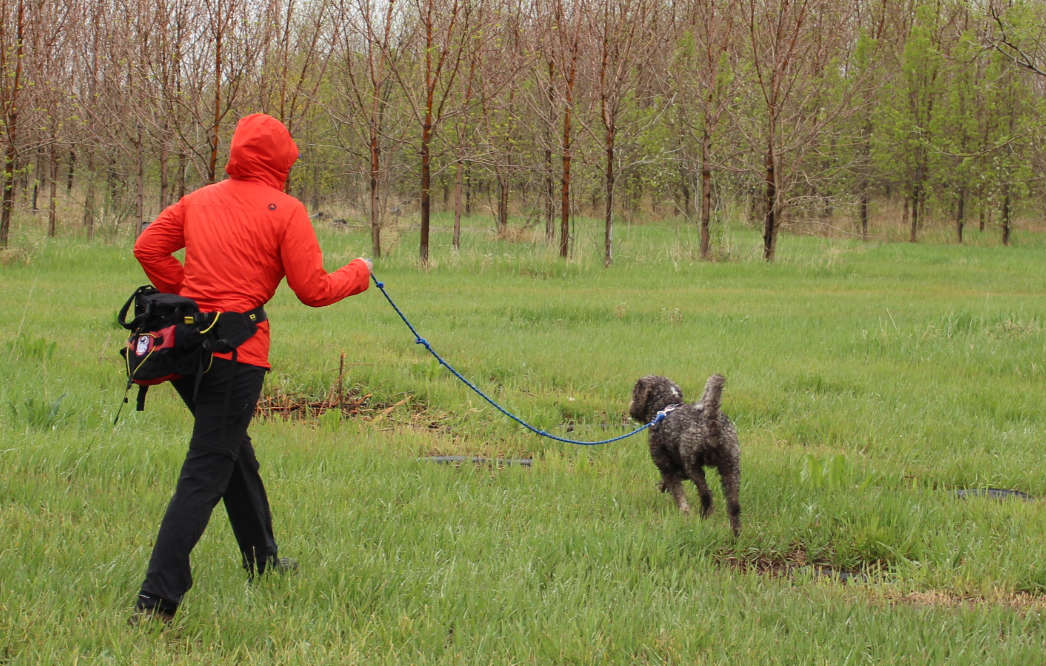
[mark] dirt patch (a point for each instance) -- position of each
(351, 403)
(296, 407)
(1018, 601)
(794, 565)
(797, 565)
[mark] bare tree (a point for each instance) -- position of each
(498, 59)
(624, 33)
(12, 50)
(48, 66)
(463, 133)
(444, 28)
(543, 100)
(791, 44)
(220, 43)
(566, 47)
(372, 39)
(296, 53)
(703, 78)
(295, 56)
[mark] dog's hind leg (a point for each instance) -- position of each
(731, 491)
(697, 475)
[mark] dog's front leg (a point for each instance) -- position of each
(673, 484)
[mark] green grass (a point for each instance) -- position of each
(868, 383)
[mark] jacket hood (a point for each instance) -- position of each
(261, 150)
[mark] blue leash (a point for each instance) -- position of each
(422, 341)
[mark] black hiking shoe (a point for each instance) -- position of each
(142, 618)
(150, 609)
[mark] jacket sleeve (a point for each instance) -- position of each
(303, 265)
(156, 246)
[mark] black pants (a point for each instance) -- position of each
(220, 465)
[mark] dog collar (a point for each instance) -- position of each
(663, 413)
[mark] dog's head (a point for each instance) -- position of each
(650, 395)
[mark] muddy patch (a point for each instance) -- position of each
(1017, 601)
(796, 566)
(876, 580)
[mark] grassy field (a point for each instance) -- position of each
(872, 386)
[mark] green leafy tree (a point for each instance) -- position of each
(955, 128)
(905, 141)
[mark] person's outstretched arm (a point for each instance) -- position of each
(303, 265)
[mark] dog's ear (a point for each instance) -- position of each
(640, 396)
(640, 391)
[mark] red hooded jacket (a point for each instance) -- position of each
(243, 235)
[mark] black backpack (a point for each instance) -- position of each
(171, 338)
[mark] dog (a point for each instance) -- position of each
(689, 438)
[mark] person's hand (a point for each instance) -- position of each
(370, 264)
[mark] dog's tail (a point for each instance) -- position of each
(713, 396)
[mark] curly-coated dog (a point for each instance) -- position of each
(690, 438)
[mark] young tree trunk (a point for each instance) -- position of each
(35, 200)
(89, 196)
(706, 197)
(550, 199)
(52, 189)
(1005, 221)
(864, 210)
(564, 224)
(550, 187)
(685, 195)
(181, 173)
(72, 170)
(375, 201)
(459, 185)
(165, 186)
(468, 189)
(770, 201)
(960, 215)
(212, 162)
(8, 192)
(426, 179)
(502, 205)
(139, 178)
(913, 233)
(608, 233)
(11, 127)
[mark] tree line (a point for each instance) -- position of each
(796, 109)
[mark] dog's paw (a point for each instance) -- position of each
(662, 487)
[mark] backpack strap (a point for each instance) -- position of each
(121, 318)
(232, 329)
(140, 402)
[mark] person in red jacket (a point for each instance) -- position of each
(241, 237)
